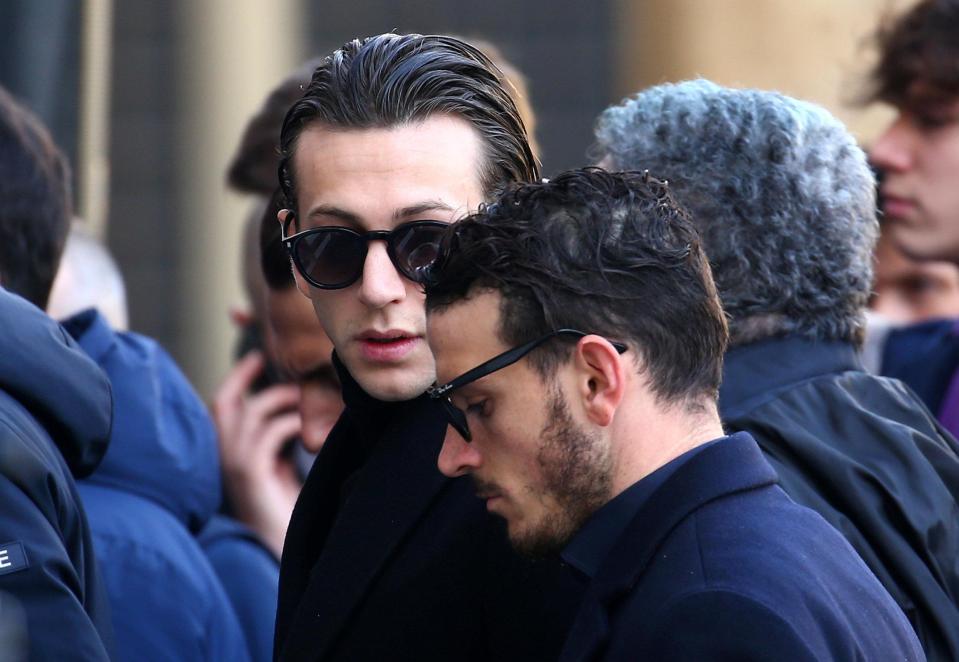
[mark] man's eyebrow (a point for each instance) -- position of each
(348, 218)
(421, 208)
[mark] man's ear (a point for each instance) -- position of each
(282, 215)
(601, 378)
(241, 317)
(301, 283)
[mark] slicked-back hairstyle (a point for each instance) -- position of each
(34, 203)
(919, 46)
(605, 253)
(518, 87)
(393, 80)
(780, 192)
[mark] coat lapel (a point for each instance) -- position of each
(733, 465)
(589, 632)
(391, 493)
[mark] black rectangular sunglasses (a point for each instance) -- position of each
(455, 416)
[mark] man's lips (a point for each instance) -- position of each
(489, 496)
(391, 345)
(896, 206)
(389, 334)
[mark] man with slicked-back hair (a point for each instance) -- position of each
(395, 137)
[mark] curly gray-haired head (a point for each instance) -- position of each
(780, 192)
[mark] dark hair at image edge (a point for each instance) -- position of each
(611, 254)
(391, 80)
(918, 46)
(35, 205)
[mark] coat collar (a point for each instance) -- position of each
(734, 464)
(395, 486)
(367, 414)
(757, 372)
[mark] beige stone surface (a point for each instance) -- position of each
(819, 50)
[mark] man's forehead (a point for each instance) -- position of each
(353, 176)
(464, 333)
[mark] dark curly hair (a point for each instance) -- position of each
(35, 204)
(606, 253)
(392, 79)
(919, 46)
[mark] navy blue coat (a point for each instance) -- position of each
(864, 453)
(387, 559)
(925, 356)
(55, 412)
(159, 482)
(719, 564)
(250, 574)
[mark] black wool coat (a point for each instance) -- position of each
(387, 559)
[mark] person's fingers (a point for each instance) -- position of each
(255, 454)
(279, 430)
(239, 446)
(241, 317)
(229, 396)
(269, 402)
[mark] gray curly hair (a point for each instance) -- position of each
(779, 190)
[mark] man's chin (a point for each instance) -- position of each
(543, 541)
(392, 385)
(922, 246)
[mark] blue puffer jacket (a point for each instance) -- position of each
(250, 575)
(158, 484)
(54, 425)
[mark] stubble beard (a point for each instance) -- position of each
(576, 480)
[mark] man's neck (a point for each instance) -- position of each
(652, 441)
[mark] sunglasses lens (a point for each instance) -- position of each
(416, 247)
(330, 257)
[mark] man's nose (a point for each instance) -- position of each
(381, 283)
(893, 150)
(457, 457)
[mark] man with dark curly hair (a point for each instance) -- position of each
(918, 74)
(579, 342)
(784, 200)
(918, 155)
